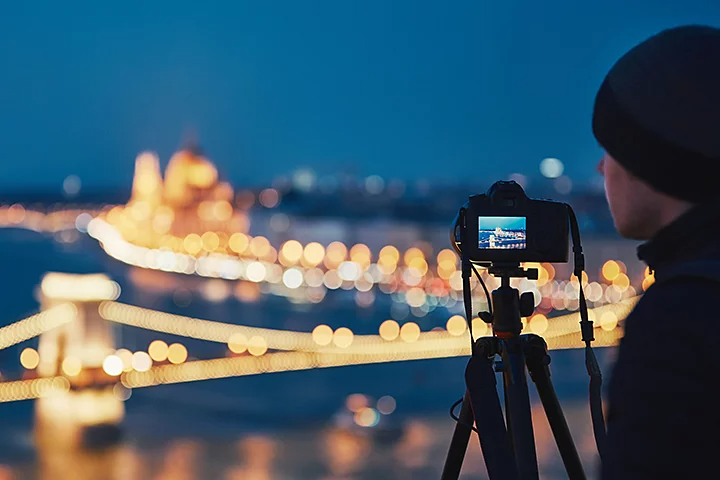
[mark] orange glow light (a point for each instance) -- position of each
(389, 330)
(210, 241)
(391, 253)
(335, 254)
(259, 246)
(410, 332)
(292, 250)
(222, 210)
(313, 254)
(413, 253)
(239, 242)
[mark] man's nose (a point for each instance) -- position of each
(601, 166)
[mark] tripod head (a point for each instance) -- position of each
(512, 270)
(508, 305)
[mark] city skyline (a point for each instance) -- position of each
(400, 90)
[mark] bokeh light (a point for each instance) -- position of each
(260, 246)
(113, 365)
(313, 254)
(335, 254)
(386, 405)
(322, 335)
(126, 356)
(608, 321)
(389, 254)
(239, 242)
(360, 254)
(367, 417)
(237, 343)
(610, 270)
(29, 358)
(158, 351)
(343, 337)
(193, 243)
(256, 272)
(538, 324)
(551, 168)
(356, 402)
(389, 330)
(177, 353)
(71, 366)
(479, 328)
(410, 332)
(292, 278)
(257, 346)
(411, 254)
(456, 325)
(269, 198)
(210, 241)
(141, 361)
(121, 392)
(292, 251)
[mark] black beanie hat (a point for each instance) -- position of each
(658, 112)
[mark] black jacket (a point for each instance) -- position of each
(664, 394)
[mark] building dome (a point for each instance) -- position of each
(189, 175)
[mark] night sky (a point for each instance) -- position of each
(451, 91)
(506, 223)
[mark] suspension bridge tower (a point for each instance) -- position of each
(89, 414)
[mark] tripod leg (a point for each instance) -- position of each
(482, 404)
(538, 362)
(459, 442)
(518, 408)
(494, 440)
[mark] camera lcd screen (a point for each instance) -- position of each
(502, 233)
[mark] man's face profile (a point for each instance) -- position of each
(634, 205)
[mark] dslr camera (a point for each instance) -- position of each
(505, 226)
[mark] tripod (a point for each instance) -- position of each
(509, 449)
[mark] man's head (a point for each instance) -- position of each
(638, 210)
(657, 116)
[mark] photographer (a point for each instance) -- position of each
(657, 116)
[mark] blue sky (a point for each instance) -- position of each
(412, 89)
(506, 223)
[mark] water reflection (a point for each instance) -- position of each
(346, 453)
(180, 462)
(412, 452)
(117, 463)
(6, 473)
(257, 454)
(413, 449)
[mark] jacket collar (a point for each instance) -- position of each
(691, 235)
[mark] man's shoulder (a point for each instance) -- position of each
(681, 283)
(679, 298)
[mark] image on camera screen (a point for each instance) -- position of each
(503, 233)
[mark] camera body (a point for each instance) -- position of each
(505, 226)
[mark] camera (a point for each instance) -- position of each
(505, 226)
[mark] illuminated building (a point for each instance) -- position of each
(147, 182)
(189, 200)
(190, 178)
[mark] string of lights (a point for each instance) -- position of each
(323, 339)
(294, 361)
(34, 325)
(560, 333)
(32, 389)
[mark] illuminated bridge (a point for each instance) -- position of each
(81, 377)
